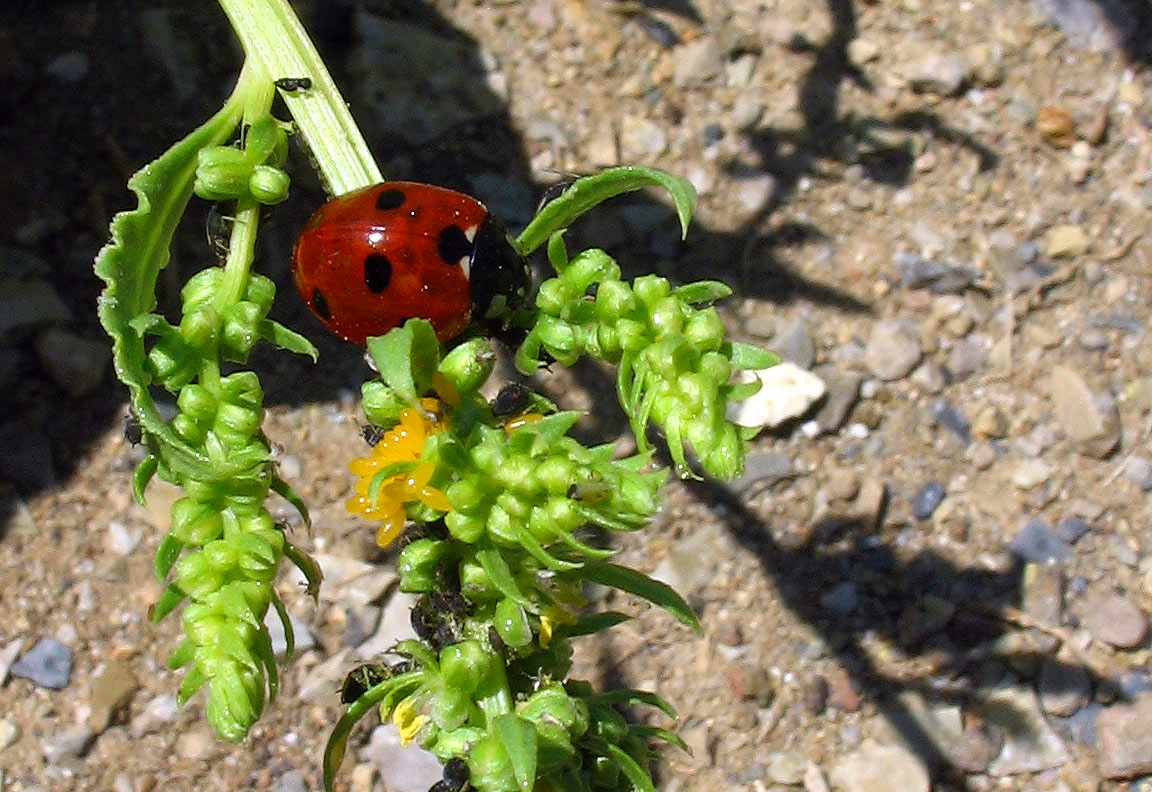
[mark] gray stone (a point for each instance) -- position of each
(794, 343)
(1124, 741)
(1116, 621)
(156, 715)
(47, 664)
(843, 392)
(755, 191)
(950, 417)
(763, 469)
(1030, 744)
(926, 499)
(1037, 542)
(697, 62)
(787, 767)
(1072, 529)
(419, 84)
(111, 692)
(1042, 598)
(893, 350)
(395, 626)
(944, 75)
(939, 277)
(967, 356)
(1063, 688)
(30, 303)
(880, 768)
(302, 636)
(1092, 23)
(1089, 420)
(70, 743)
(291, 781)
(842, 599)
(408, 768)
(121, 540)
(686, 568)
(1031, 472)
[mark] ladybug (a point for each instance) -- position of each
(368, 261)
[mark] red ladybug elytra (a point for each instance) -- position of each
(368, 261)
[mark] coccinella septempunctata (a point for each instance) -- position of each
(368, 261)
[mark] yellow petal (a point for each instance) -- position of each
(391, 526)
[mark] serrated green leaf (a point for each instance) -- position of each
(129, 266)
(406, 358)
(518, 737)
(625, 579)
(585, 193)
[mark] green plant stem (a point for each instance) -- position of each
(272, 35)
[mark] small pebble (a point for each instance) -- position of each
(70, 743)
(1116, 621)
(1030, 473)
(1063, 687)
(926, 499)
(953, 420)
(1038, 543)
(291, 781)
(1072, 529)
(47, 664)
(983, 456)
(842, 599)
(893, 350)
(843, 484)
(9, 733)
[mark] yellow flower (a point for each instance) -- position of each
(407, 721)
(402, 443)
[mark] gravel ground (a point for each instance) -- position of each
(936, 572)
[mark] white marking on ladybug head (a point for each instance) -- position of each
(470, 233)
(466, 266)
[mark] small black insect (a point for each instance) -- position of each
(133, 432)
(293, 84)
(456, 777)
(434, 619)
(361, 678)
(513, 399)
(372, 433)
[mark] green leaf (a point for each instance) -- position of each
(585, 193)
(142, 475)
(307, 566)
(286, 339)
(655, 733)
(338, 739)
(407, 357)
(286, 624)
(590, 625)
(747, 356)
(166, 555)
(285, 491)
(635, 773)
(169, 600)
(518, 737)
(501, 576)
(130, 264)
(641, 585)
(702, 292)
(630, 698)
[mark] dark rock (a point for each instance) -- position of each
(926, 499)
(1063, 688)
(953, 420)
(843, 391)
(938, 277)
(1037, 542)
(1072, 529)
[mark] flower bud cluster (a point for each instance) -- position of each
(674, 364)
(226, 173)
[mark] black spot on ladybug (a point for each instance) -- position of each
(453, 245)
(390, 199)
(377, 272)
(320, 305)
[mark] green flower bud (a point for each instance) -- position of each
(235, 423)
(458, 742)
(463, 527)
(464, 665)
(195, 523)
(188, 430)
(632, 335)
(489, 766)
(236, 701)
(196, 577)
(502, 528)
(220, 179)
(613, 299)
(200, 326)
(553, 747)
(556, 474)
(220, 156)
(241, 330)
(552, 296)
(716, 367)
(381, 405)
(469, 365)
(704, 330)
(651, 289)
(559, 338)
(260, 290)
(417, 564)
(475, 583)
(268, 185)
(590, 266)
(197, 403)
(667, 316)
(201, 288)
(221, 555)
(467, 496)
(172, 362)
(512, 624)
(263, 139)
(450, 708)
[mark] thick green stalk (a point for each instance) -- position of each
(272, 35)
